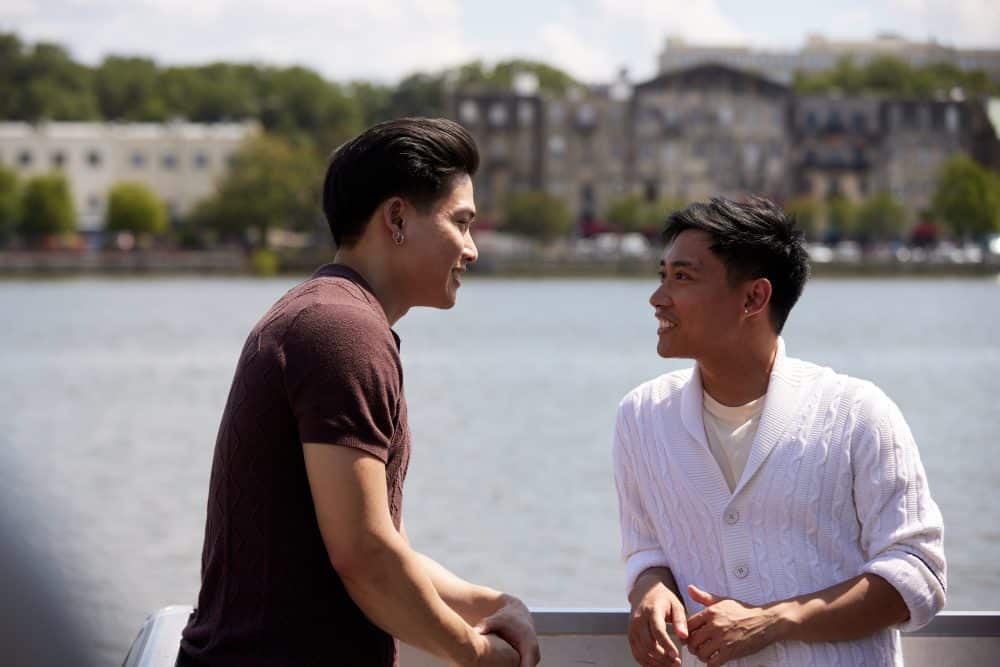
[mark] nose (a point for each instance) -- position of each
(659, 297)
(470, 252)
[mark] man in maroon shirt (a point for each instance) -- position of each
(306, 559)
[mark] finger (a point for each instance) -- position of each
(705, 650)
(696, 621)
(702, 597)
(658, 629)
(679, 620)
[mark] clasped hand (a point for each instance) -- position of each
(511, 627)
(724, 630)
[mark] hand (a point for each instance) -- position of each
(727, 629)
(492, 651)
(647, 629)
(512, 622)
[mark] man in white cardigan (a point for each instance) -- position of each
(772, 511)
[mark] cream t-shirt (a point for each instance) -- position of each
(730, 432)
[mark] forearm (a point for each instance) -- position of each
(852, 609)
(393, 588)
(471, 601)
(649, 579)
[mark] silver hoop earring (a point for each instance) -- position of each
(398, 238)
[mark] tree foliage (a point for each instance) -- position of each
(47, 207)
(537, 215)
(133, 207)
(10, 203)
(890, 76)
(632, 213)
(967, 198)
(273, 183)
(808, 213)
(881, 217)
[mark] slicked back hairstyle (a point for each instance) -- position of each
(413, 158)
(754, 240)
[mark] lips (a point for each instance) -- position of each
(664, 325)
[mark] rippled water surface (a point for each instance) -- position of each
(112, 391)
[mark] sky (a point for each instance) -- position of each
(384, 40)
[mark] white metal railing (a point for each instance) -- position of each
(597, 637)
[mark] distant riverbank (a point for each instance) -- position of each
(21, 263)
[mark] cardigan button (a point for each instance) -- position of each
(741, 571)
(732, 516)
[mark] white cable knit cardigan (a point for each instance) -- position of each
(833, 488)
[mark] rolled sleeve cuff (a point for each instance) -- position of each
(641, 561)
(919, 586)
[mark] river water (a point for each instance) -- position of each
(112, 391)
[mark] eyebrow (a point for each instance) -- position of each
(682, 263)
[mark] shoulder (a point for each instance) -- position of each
(654, 395)
(863, 403)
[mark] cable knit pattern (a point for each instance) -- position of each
(833, 488)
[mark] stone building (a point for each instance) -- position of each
(857, 146)
(708, 130)
(181, 162)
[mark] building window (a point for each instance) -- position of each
(58, 159)
(469, 112)
(24, 158)
(859, 122)
(138, 160)
(557, 146)
(526, 113)
(556, 113)
(586, 116)
(951, 121)
(169, 161)
(811, 120)
(94, 159)
(498, 114)
(200, 161)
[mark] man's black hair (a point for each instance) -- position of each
(754, 240)
(414, 158)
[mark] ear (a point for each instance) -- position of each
(757, 297)
(391, 215)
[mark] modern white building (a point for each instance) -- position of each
(820, 53)
(179, 161)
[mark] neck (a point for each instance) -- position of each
(376, 271)
(739, 375)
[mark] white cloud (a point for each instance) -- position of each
(567, 49)
(958, 21)
(700, 21)
(381, 39)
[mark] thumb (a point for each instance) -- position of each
(485, 626)
(702, 597)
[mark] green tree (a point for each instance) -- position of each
(632, 213)
(967, 198)
(10, 204)
(537, 215)
(47, 207)
(807, 212)
(49, 85)
(841, 216)
(133, 207)
(127, 89)
(881, 217)
(273, 183)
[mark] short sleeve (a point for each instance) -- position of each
(343, 377)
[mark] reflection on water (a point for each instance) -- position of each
(112, 392)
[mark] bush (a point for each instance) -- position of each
(537, 215)
(881, 217)
(133, 207)
(10, 203)
(967, 198)
(47, 207)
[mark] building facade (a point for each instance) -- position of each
(716, 130)
(180, 162)
(819, 53)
